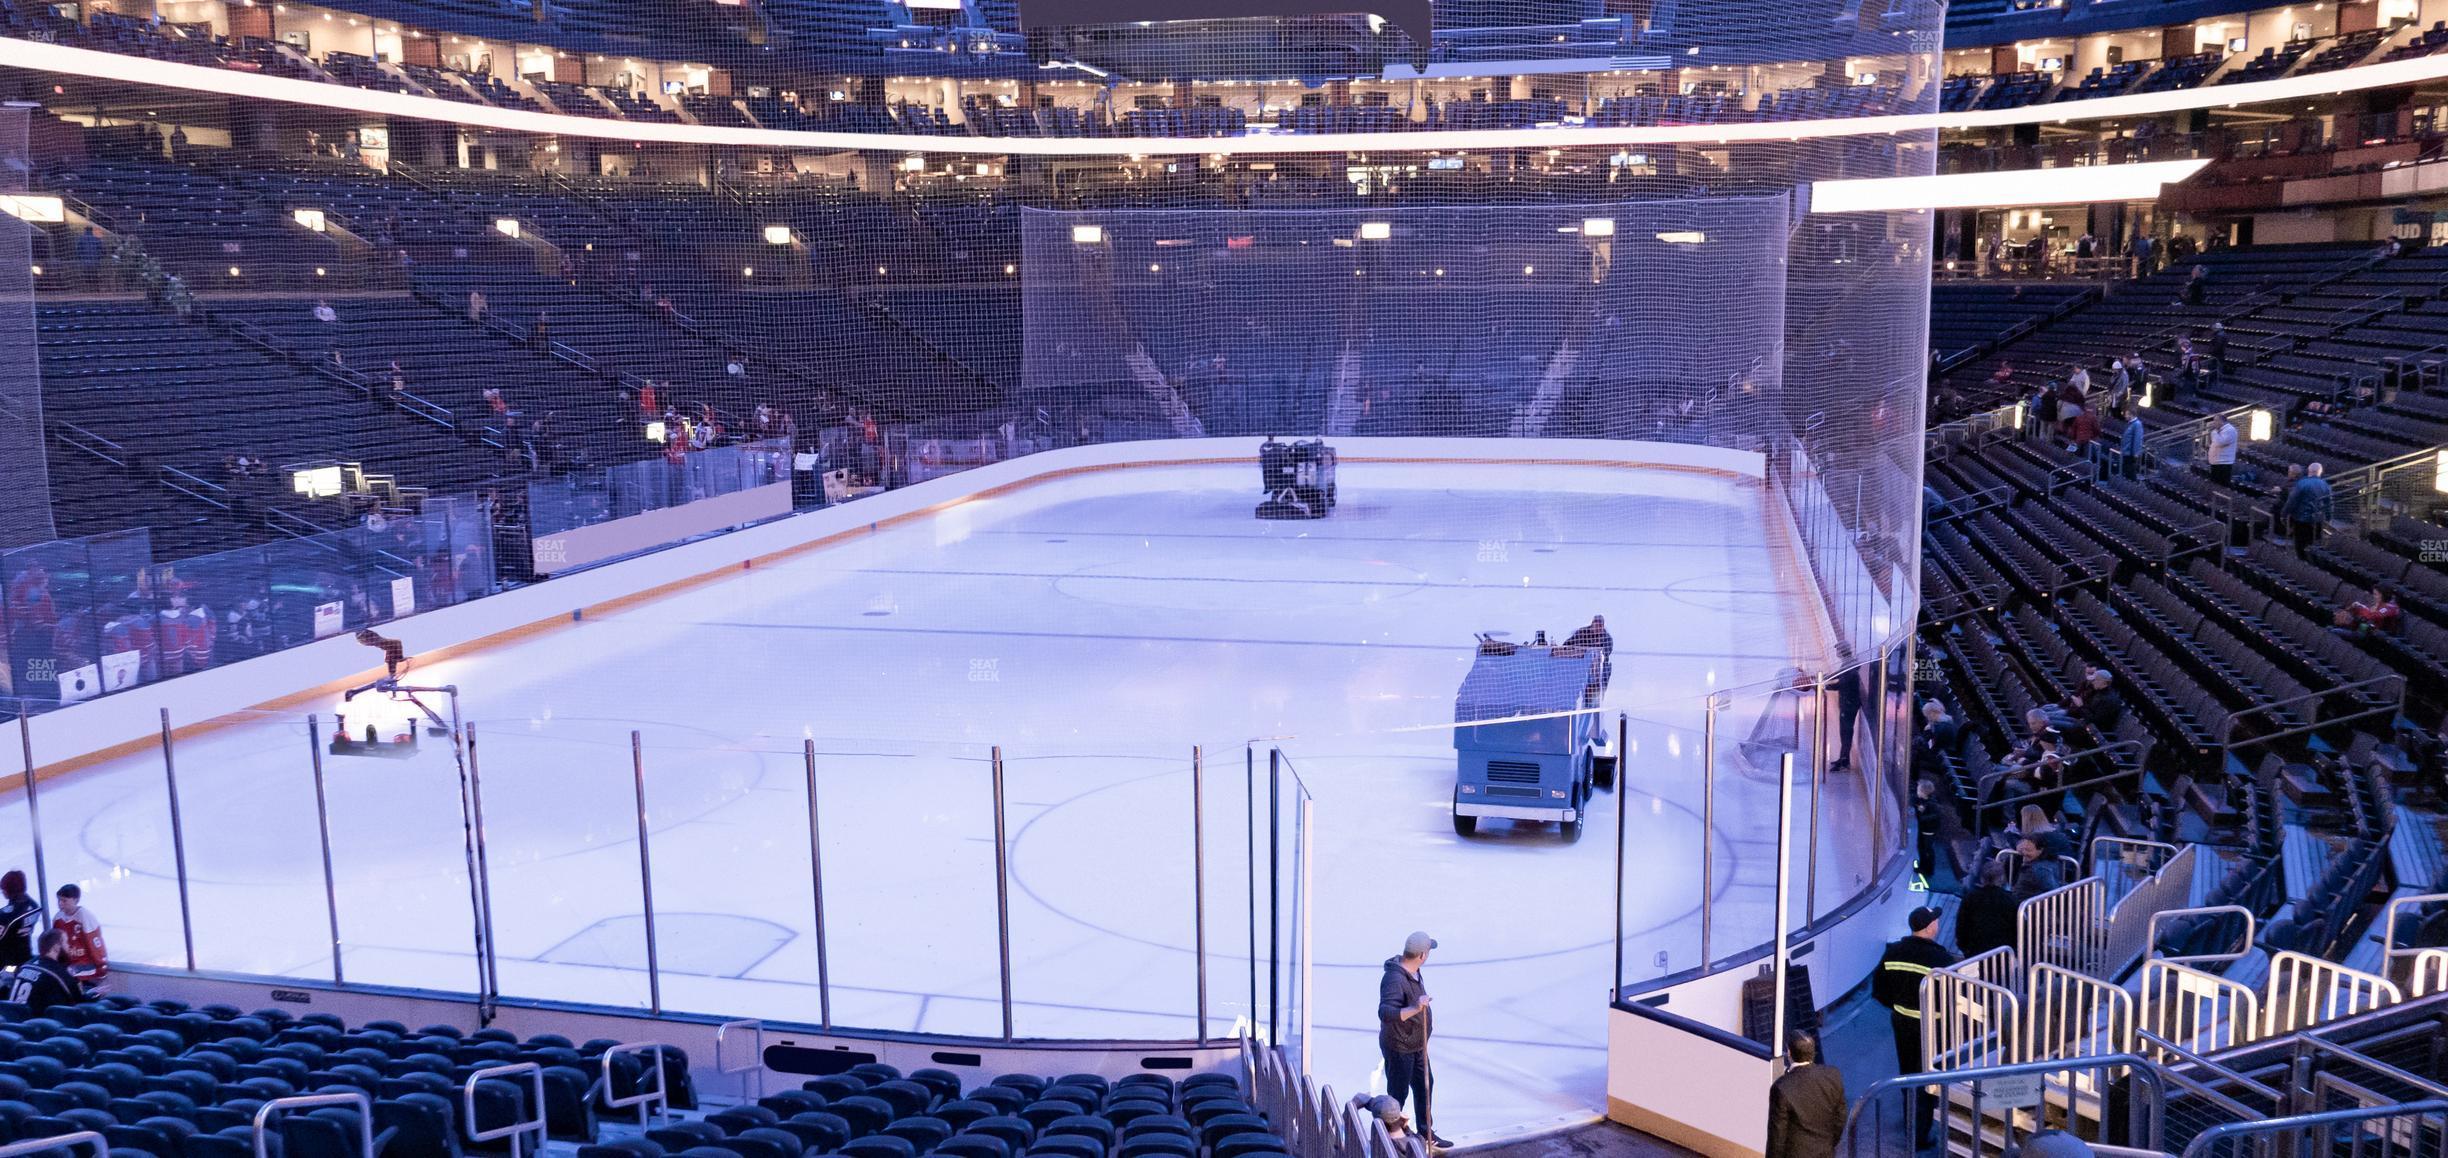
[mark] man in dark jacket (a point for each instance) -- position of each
(1593, 635)
(45, 981)
(1403, 1025)
(2098, 703)
(1897, 985)
(1848, 712)
(1986, 918)
(1806, 1106)
(2308, 506)
(20, 916)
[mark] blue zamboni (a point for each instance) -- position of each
(1528, 742)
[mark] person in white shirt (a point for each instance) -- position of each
(2223, 451)
(324, 313)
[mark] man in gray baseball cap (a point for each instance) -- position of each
(1403, 1024)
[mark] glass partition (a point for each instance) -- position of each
(395, 796)
(1102, 945)
(241, 875)
(561, 840)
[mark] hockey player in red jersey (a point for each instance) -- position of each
(186, 635)
(88, 959)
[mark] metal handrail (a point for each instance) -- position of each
(356, 1098)
(513, 1130)
(2151, 933)
(2205, 1142)
(2091, 849)
(658, 1097)
(2228, 744)
(2316, 1044)
(100, 1144)
(2388, 940)
(2148, 1075)
(756, 1061)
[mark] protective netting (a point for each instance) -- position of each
(1655, 319)
(25, 503)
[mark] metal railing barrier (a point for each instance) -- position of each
(2072, 1015)
(2367, 1132)
(278, 1106)
(653, 1098)
(2197, 1011)
(516, 1130)
(2066, 927)
(752, 1072)
(58, 1142)
(2306, 991)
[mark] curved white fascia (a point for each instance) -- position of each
(86, 62)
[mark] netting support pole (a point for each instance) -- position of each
(1249, 864)
(654, 970)
(480, 886)
(25, 740)
(178, 839)
(1198, 881)
(1781, 950)
(331, 887)
(1622, 817)
(1002, 892)
(824, 975)
(1818, 775)
(1274, 890)
(1708, 822)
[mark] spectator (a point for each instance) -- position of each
(2378, 615)
(2308, 507)
(539, 332)
(2218, 348)
(2196, 287)
(1926, 821)
(1403, 1028)
(1986, 918)
(2040, 873)
(1388, 1113)
(2143, 249)
(399, 381)
(2222, 455)
(2130, 447)
(89, 256)
(476, 306)
(47, 981)
(2083, 428)
(2033, 824)
(1939, 734)
(1806, 1104)
(20, 916)
(324, 313)
(87, 958)
(2097, 703)
(2051, 1143)
(2039, 728)
(1848, 713)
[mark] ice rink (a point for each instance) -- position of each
(1096, 627)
